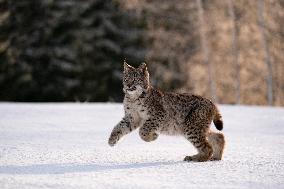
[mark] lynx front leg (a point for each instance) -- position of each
(148, 131)
(125, 126)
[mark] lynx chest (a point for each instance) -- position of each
(137, 109)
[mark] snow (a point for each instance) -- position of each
(65, 146)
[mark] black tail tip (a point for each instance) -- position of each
(218, 124)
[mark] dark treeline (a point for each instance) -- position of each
(65, 50)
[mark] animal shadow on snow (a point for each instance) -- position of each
(74, 168)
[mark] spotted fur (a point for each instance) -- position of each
(155, 112)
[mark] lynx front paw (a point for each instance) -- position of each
(113, 139)
(149, 137)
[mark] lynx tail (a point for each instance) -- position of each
(217, 120)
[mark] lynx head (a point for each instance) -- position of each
(135, 80)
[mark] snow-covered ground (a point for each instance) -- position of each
(65, 146)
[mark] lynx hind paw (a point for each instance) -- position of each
(195, 158)
(188, 158)
(215, 159)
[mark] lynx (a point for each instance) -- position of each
(155, 112)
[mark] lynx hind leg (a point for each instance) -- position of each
(217, 140)
(204, 148)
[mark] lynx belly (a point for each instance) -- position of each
(172, 128)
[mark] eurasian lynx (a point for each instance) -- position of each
(156, 112)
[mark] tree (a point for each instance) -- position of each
(66, 50)
(267, 61)
(235, 50)
(205, 50)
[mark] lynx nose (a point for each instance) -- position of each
(132, 88)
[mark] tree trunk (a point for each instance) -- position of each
(261, 24)
(205, 50)
(235, 50)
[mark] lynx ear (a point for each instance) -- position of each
(143, 67)
(126, 66)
